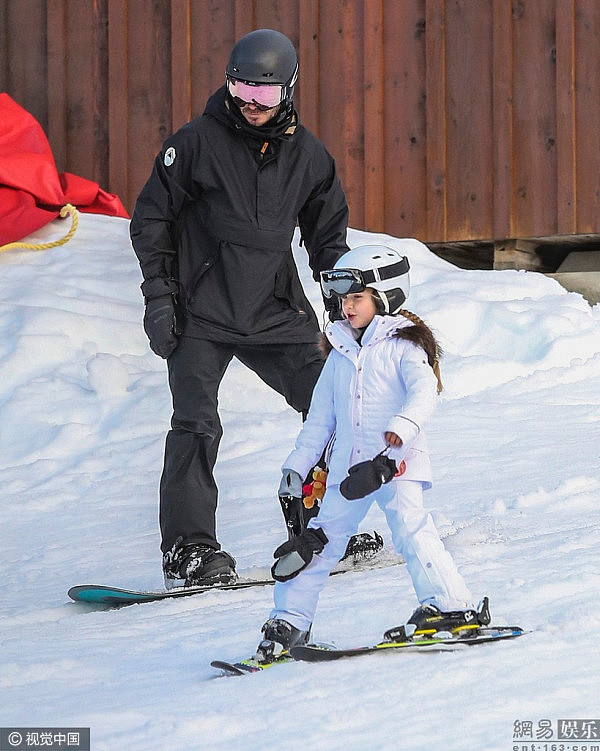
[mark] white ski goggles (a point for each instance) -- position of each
(342, 282)
(262, 96)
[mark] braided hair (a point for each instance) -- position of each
(421, 335)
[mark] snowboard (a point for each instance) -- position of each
(99, 594)
(440, 642)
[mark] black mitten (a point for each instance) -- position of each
(366, 477)
(295, 554)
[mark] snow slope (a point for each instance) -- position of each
(84, 406)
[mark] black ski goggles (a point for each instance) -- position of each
(341, 282)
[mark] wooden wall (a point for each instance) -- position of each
(450, 120)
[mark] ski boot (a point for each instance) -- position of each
(428, 620)
(278, 637)
(195, 565)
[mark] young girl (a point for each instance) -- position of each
(378, 388)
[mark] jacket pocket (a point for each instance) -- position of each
(201, 268)
(288, 288)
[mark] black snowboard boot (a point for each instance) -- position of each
(363, 546)
(278, 637)
(427, 620)
(194, 565)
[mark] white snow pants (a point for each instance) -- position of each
(434, 575)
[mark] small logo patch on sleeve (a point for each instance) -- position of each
(169, 156)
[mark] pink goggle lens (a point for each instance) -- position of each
(265, 95)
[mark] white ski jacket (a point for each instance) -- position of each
(383, 384)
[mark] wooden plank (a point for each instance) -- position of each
(181, 54)
(149, 94)
(329, 40)
(4, 47)
(516, 254)
(566, 141)
(372, 54)
(333, 79)
(587, 115)
(24, 75)
(119, 157)
(350, 60)
(79, 45)
(56, 66)
(502, 118)
(469, 150)
(99, 134)
(404, 180)
(435, 115)
(244, 18)
(307, 89)
(85, 40)
(212, 29)
(277, 14)
(534, 141)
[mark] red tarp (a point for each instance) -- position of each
(32, 192)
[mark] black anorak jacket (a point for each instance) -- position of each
(218, 214)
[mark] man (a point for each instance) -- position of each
(212, 230)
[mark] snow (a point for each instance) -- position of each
(84, 407)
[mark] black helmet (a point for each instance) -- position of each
(265, 57)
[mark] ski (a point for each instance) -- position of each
(243, 667)
(99, 594)
(442, 642)
(437, 643)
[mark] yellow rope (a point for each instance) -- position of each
(66, 209)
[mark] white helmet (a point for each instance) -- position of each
(375, 266)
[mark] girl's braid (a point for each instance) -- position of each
(431, 346)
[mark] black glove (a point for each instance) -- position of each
(366, 477)
(295, 554)
(333, 307)
(160, 318)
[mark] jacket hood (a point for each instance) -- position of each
(405, 325)
(221, 107)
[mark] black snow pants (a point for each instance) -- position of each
(188, 492)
